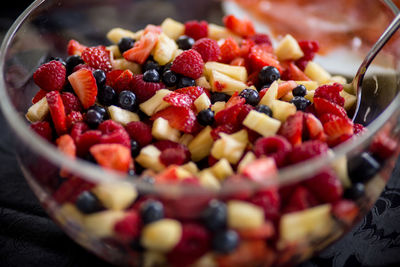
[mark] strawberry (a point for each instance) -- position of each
(292, 72)
(244, 111)
(229, 50)
(75, 48)
(300, 199)
(97, 57)
(269, 200)
(331, 93)
(265, 231)
(50, 76)
(323, 106)
(39, 95)
(43, 129)
(144, 90)
(140, 132)
(66, 145)
(116, 137)
(142, 48)
(71, 102)
(261, 170)
(86, 140)
(292, 128)
(71, 189)
(260, 56)
(165, 144)
(346, 211)
(227, 128)
(261, 38)
(192, 91)
(174, 156)
(123, 81)
(239, 61)
(128, 228)
(168, 175)
(359, 129)
(112, 156)
(110, 126)
(57, 111)
(327, 117)
(178, 100)
(85, 87)
(307, 150)
(196, 29)
(276, 147)
(73, 117)
(179, 118)
(285, 88)
(336, 128)
(242, 27)
(245, 47)
(310, 48)
(189, 63)
(208, 49)
(111, 77)
(231, 111)
(325, 186)
(314, 127)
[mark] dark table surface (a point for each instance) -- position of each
(29, 238)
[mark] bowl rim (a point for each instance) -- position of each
(94, 173)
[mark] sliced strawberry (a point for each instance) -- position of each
(263, 232)
(57, 111)
(50, 76)
(227, 128)
(78, 129)
(128, 228)
(123, 81)
(292, 128)
(260, 57)
(75, 48)
(179, 118)
(327, 117)
(66, 145)
(239, 61)
(359, 129)
(111, 77)
(85, 87)
(308, 150)
(231, 111)
(39, 95)
(245, 47)
(116, 137)
(97, 57)
(110, 126)
(323, 106)
(43, 129)
(229, 50)
(112, 156)
(83, 66)
(144, 90)
(242, 27)
(292, 72)
(336, 128)
(178, 100)
(269, 200)
(331, 93)
(261, 170)
(383, 145)
(192, 91)
(74, 117)
(313, 126)
(245, 110)
(261, 38)
(86, 140)
(142, 48)
(346, 211)
(286, 87)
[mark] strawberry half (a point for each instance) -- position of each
(260, 56)
(178, 100)
(292, 72)
(336, 128)
(229, 115)
(331, 93)
(57, 111)
(123, 81)
(66, 145)
(39, 95)
(192, 91)
(43, 129)
(323, 106)
(85, 87)
(242, 27)
(260, 170)
(142, 48)
(75, 48)
(314, 127)
(50, 76)
(229, 50)
(112, 76)
(292, 128)
(112, 156)
(180, 118)
(97, 57)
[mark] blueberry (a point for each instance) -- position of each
(151, 211)
(107, 96)
(148, 179)
(363, 167)
(355, 192)
(206, 117)
(132, 173)
(268, 75)
(225, 241)
(300, 90)
(100, 77)
(217, 97)
(127, 100)
(99, 109)
(185, 82)
(135, 148)
(215, 216)
(169, 78)
(167, 67)
(125, 43)
(264, 109)
(93, 118)
(87, 202)
(185, 42)
(151, 76)
(251, 96)
(300, 102)
(151, 65)
(73, 61)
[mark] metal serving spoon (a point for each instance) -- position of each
(358, 79)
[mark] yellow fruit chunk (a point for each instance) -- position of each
(244, 215)
(116, 196)
(262, 123)
(316, 73)
(288, 49)
(163, 131)
(172, 28)
(38, 111)
(149, 157)
(162, 235)
(101, 224)
(122, 116)
(200, 146)
(235, 72)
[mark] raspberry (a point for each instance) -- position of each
(78, 129)
(269, 201)
(261, 38)
(71, 102)
(307, 150)
(276, 147)
(144, 90)
(208, 49)
(50, 76)
(166, 144)
(116, 137)
(359, 129)
(39, 95)
(43, 129)
(229, 50)
(140, 132)
(300, 199)
(192, 91)
(73, 117)
(97, 57)
(383, 145)
(189, 63)
(71, 189)
(176, 156)
(325, 186)
(129, 226)
(86, 140)
(110, 126)
(196, 29)
(309, 49)
(194, 243)
(331, 93)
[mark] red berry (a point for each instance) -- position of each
(179, 118)
(144, 90)
(39, 95)
(276, 147)
(300, 199)
(50, 76)
(260, 170)
(71, 189)
(128, 228)
(323, 106)
(331, 93)
(292, 128)
(78, 129)
(189, 63)
(66, 145)
(178, 100)
(140, 132)
(261, 38)
(326, 186)
(346, 211)
(57, 111)
(110, 126)
(293, 72)
(43, 129)
(310, 48)
(73, 117)
(112, 156)
(327, 117)
(123, 81)
(229, 50)
(112, 76)
(261, 56)
(314, 127)
(71, 103)
(192, 91)
(82, 66)
(359, 129)
(383, 145)
(208, 49)
(143, 47)
(244, 112)
(85, 87)
(307, 150)
(97, 57)
(269, 201)
(229, 115)
(196, 29)
(242, 27)
(228, 128)
(176, 156)
(337, 128)
(116, 137)
(166, 144)
(75, 48)
(86, 140)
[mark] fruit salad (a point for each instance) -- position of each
(219, 109)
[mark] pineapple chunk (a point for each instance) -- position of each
(149, 157)
(202, 82)
(164, 50)
(190, 167)
(200, 146)
(240, 136)
(114, 50)
(225, 84)
(185, 139)
(182, 173)
(338, 79)
(155, 103)
(122, 116)
(229, 148)
(38, 111)
(249, 157)
(208, 180)
(153, 258)
(340, 167)
(235, 72)
(101, 224)
(218, 106)
(222, 169)
(262, 123)
(162, 131)
(116, 196)
(288, 48)
(349, 99)
(202, 102)
(69, 214)
(310, 95)
(307, 224)
(123, 64)
(208, 260)
(114, 35)
(316, 73)
(162, 235)
(310, 85)
(172, 28)
(281, 110)
(243, 215)
(288, 97)
(217, 32)
(270, 95)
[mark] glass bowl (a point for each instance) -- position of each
(285, 237)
